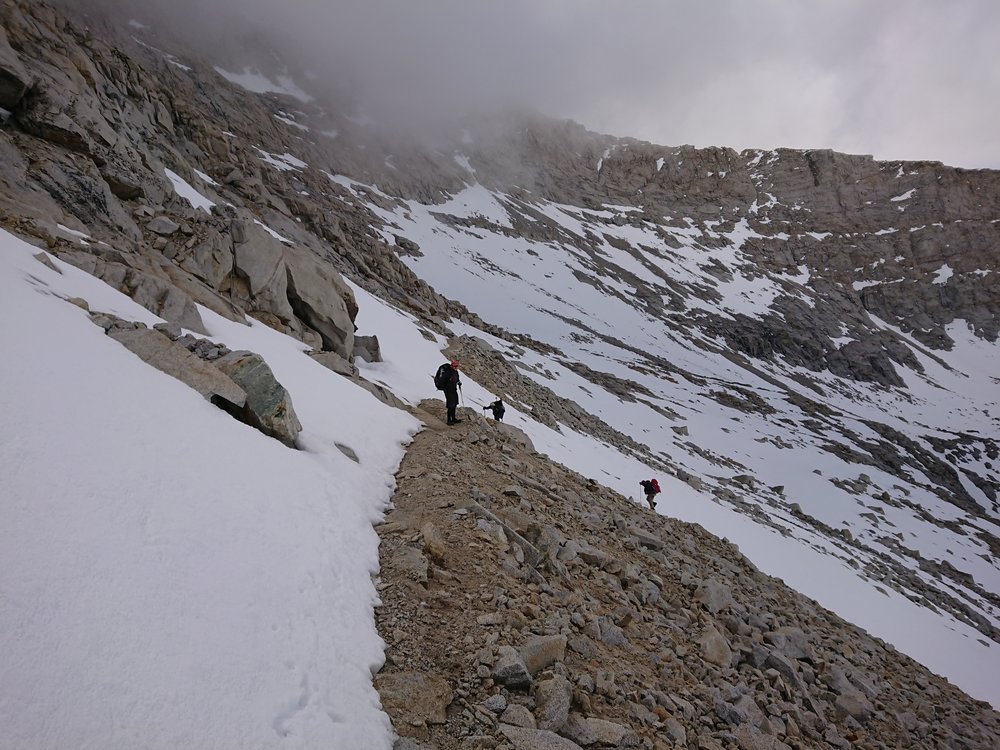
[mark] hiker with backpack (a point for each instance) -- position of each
(497, 408)
(446, 379)
(652, 488)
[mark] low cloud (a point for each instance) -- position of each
(906, 80)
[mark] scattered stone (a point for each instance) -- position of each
(552, 702)
(416, 698)
(536, 739)
(510, 670)
(518, 716)
(542, 652)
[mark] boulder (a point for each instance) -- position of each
(543, 651)
(578, 729)
(268, 405)
(163, 226)
(416, 698)
(210, 260)
(855, 705)
(715, 648)
(750, 738)
(552, 702)
(322, 300)
(509, 669)
(156, 294)
(517, 436)
(333, 361)
(789, 641)
(612, 734)
(713, 595)
(367, 348)
(258, 260)
(519, 716)
(536, 739)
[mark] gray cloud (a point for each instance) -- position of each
(913, 79)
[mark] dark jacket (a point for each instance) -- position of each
(448, 377)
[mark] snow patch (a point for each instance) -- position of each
(256, 82)
(188, 193)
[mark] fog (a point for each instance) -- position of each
(914, 79)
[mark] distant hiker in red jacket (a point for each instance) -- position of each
(652, 488)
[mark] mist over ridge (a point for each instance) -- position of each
(913, 82)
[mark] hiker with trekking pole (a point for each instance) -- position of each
(497, 408)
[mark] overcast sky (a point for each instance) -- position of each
(899, 79)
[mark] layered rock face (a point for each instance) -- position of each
(913, 243)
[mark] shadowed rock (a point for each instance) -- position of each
(14, 78)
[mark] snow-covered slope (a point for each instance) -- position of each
(171, 577)
(869, 536)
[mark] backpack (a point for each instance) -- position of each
(442, 377)
(655, 486)
(497, 408)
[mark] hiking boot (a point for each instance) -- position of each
(455, 421)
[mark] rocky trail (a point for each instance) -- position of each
(524, 606)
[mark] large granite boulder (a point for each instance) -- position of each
(321, 300)
(268, 405)
(257, 263)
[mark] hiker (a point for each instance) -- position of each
(652, 488)
(498, 410)
(446, 379)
